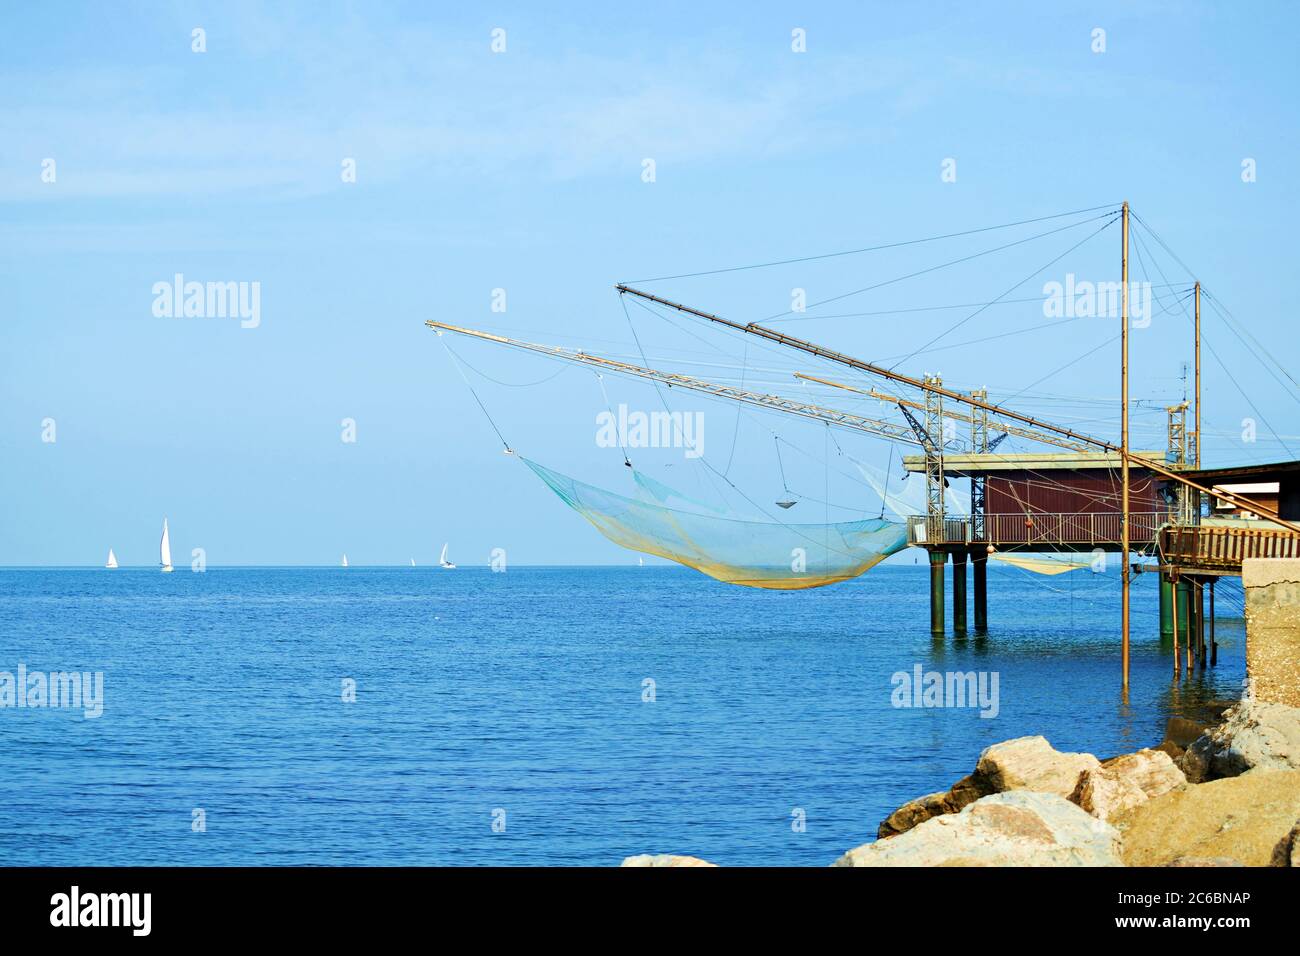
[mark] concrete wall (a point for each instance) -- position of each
(1273, 628)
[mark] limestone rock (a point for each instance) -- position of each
(1205, 861)
(665, 859)
(963, 793)
(1026, 763)
(1103, 795)
(1254, 734)
(1031, 763)
(914, 812)
(1241, 818)
(1287, 851)
(1124, 782)
(1019, 828)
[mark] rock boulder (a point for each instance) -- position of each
(1031, 763)
(665, 859)
(1254, 734)
(1242, 818)
(1287, 851)
(962, 793)
(1125, 782)
(1020, 828)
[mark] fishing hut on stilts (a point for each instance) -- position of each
(1084, 496)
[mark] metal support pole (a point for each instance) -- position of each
(1182, 621)
(1213, 644)
(1197, 457)
(1200, 624)
(1123, 441)
(1177, 598)
(979, 571)
(959, 592)
(1166, 606)
(938, 558)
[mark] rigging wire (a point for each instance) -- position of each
(890, 245)
(888, 470)
(496, 381)
(1230, 320)
(486, 414)
(943, 265)
(735, 432)
(922, 308)
(1206, 342)
(779, 465)
(618, 433)
(959, 324)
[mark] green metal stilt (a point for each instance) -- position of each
(1183, 595)
(959, 592)
(937, 561)
(979, 570)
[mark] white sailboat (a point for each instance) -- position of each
(442, 561)
(413, 562)
(165, 550)
(112, 559)
(345, 561)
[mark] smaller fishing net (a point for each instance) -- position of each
(1046, 563)
(751, 553)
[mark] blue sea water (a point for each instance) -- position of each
(523, 692)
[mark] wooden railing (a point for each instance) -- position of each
(1224, 548)
(1074, 529)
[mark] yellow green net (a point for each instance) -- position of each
(751, 553)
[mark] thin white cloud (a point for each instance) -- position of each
(283, 126)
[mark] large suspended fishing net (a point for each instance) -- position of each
(756, 554)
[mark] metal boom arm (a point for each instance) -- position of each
(830, 416)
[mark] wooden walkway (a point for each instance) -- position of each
(1219, 550)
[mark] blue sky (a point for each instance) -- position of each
(522, 171)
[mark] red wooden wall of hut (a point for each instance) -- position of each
(1073, 491)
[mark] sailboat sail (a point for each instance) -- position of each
(112, 559)
(443, 559)
(345, 561)
(165, 549)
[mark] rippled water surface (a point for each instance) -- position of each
(523, 692)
